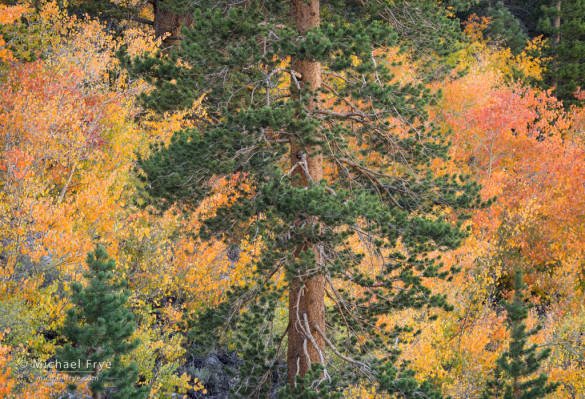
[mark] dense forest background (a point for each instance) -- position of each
(355, 199)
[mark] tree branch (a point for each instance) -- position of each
(332, 347)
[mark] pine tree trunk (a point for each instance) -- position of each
(556, 41)
(96, 374)
(306, 296)
(557, 25)
(516, 388)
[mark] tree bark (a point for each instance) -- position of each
(307, 293)
(556, 41)
(557, 24)
(96, 374)
(66, 185)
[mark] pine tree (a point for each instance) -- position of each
(563, 21)
(302, 107)
(515, 366)
(98, 329)
(505, 28)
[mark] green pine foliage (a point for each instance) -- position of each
(528, 12)
(505, 28)
(115, 14)
(314, 385)
(514, 21)
(514, 376)
(381, 190)
(566, 70)
(98, 329)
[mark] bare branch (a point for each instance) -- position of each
(334, 349)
